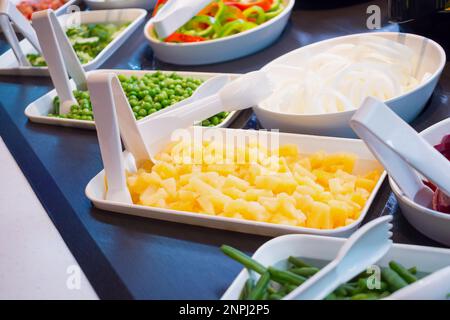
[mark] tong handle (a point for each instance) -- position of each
(104, 106)
(60, 57)
(400, 148)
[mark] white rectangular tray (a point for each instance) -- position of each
(38, 110)
(95, 190)
(276, 252)
(10, 66)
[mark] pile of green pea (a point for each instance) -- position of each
(146, 95)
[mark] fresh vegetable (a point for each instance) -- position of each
(224, 18)
(261, 287)
(339, 78)
(88, 40)
(28, 7)
(441, 202)
(251, 182)
(146, 95)
(393, 279)
(402, 272)
(275, 284)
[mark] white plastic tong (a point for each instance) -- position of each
(114, 119)
(9, 15)
(402, 151)
(175, 13)
(61, 58)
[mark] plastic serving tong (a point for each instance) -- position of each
(9, 15)
(402, 151)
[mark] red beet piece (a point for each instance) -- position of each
(441, 202)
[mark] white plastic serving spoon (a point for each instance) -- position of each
(364, 248)
(435, 286)
(401, 150)
(60, 57)
(174, 14)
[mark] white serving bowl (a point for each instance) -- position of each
(222, 49)
(433, 224)
(120, 4)
(276, 252)
(432, 59)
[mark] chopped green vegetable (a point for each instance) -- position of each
(88, 40)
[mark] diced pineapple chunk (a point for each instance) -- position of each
(250, 182)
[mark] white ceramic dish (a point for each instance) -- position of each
(431, 59)
(38, 110)
(120, 4)
(433, 224)
(10, 66)
(95, 191)
(223, 49)
(276, 252)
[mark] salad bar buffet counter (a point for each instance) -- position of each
(132, 257)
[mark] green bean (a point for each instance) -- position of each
(365, 296)
(331, 296)
(299, 263)
(402, 272)
(260, 289)
(243, 259)
(275, 296)
(341, 291)
(413, 270)
(394, 281)
(305, 271)
(271, 290)
(248, 287)
(384, 294)
(283, 277)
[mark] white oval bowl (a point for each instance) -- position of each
(431, 59)
(433, 224)
(222, 49)
(120, 4)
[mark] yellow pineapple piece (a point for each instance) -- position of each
(255, 194)
(165, 170)
(205, 204)
(340, 211)
(170, 185)
(152, 197)
(365, 183)
(233, 181)
(288, 150)
(303, 201)
(234, 192)
(319, 216)
(342, 161)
